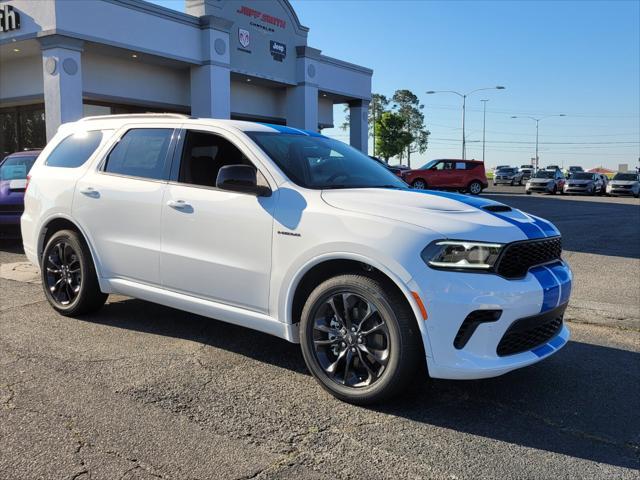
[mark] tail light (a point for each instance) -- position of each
(27, 185)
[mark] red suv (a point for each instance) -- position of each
(463, 175)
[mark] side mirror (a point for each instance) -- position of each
(241, 178)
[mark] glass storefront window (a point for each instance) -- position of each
(22, 128)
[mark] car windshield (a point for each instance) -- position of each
(428, 165)
(544, 174)
(582, 176)
(320, 163)
(625, 176)
(16, 168)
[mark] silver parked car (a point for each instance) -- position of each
(527, 171)
(624, 183)
(546, 181)
(584, 182)
(509, 176)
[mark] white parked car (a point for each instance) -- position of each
(299, 236)
(624, 183)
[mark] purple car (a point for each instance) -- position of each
(13, 182)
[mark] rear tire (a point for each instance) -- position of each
(475, 188)
(69, 276)
(360, 339)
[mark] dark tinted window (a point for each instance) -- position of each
(74, 150)
(320, 162)
(203, 155)
(141, 153)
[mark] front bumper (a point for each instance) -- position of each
(539, 188)
(620, 191)
(502, 181)
(450, 297)
(578, 189)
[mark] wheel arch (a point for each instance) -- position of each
(63, 222)
(321, 268)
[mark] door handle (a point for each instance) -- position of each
(179, 205)
(90, 192)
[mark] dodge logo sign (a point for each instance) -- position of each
(278, 50)
(243, 37)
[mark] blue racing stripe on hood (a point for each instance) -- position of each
(527, 225)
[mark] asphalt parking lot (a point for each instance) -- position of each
(143, 391)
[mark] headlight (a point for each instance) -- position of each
(461, 254)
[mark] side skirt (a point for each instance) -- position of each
(207, 308)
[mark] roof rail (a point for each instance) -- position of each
(124, 116)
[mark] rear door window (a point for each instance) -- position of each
(75, 149)
(141, 152)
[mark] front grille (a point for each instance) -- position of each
(530, 332)
(517, 258)
(11, 208)
(470, 324)
(622, 186)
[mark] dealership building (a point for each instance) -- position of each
(61, 60)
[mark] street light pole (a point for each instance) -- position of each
(537, 120)
(484, 125)
(464, 107)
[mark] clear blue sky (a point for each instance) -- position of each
(580, 58)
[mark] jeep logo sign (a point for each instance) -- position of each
(9, 19)
(278, 50)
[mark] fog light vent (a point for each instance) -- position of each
(470, 324)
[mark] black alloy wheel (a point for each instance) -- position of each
(360, 338)
(69, 277)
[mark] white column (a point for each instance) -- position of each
(62, 76)
(359, 125)
(302, 107)
(211, 81)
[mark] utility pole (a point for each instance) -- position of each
(464, 107)
(537, 120)
(484, 125)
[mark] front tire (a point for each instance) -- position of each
(475, 188)
(419, 184)
(69, 276)
(359, 339)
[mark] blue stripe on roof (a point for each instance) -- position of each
(284, 129)
(292, 131)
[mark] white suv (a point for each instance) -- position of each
(299, 236)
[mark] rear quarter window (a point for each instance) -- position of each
(75, 149)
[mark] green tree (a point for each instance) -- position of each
(391, 135)
(408, 106)
(378, 105)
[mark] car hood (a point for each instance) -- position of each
(451, 215)
(580, 182)
(623, 182)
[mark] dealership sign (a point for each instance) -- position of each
(264, 17)
(9, 18)
(278, 50)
